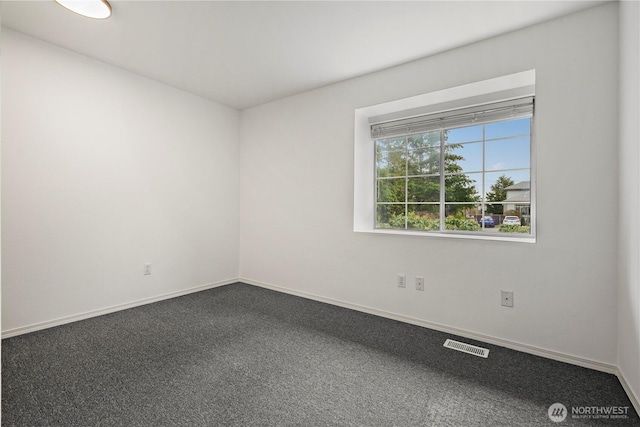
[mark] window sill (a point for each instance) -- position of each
(452, 235)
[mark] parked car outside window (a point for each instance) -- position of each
(511, 220)
(487, 221)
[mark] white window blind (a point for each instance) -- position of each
(504, 110)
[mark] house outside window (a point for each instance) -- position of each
(519, 199)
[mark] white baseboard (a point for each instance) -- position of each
(549, 354)
(99, 312)
(632, 397)
(525, 348)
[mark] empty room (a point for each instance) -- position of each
(261, 213)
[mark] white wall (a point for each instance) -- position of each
(296, 202)
(629, 243)
(102, 171)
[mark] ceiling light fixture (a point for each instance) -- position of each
(98, 9)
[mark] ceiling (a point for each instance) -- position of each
(244, 53)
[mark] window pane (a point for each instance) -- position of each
(509, 189)
(467, 134)
(464, 157)
(424, 161)
(391, 190)
(461, 217)
(424, 217)
(508, 128)
(423, 189)
(516, 221)
(386, 215)
(391, 143)
(423, 140)
(464, 187)
(391, 163)
(508, 154)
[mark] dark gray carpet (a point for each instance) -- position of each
(245, 356)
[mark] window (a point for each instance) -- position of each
(456, 163)
(466, 170)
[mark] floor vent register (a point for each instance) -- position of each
(467, 348)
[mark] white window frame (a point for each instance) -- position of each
(474, 94)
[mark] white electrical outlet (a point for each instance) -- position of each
(147, 269)
(402, 281)
(507, 298)
(420, 283)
